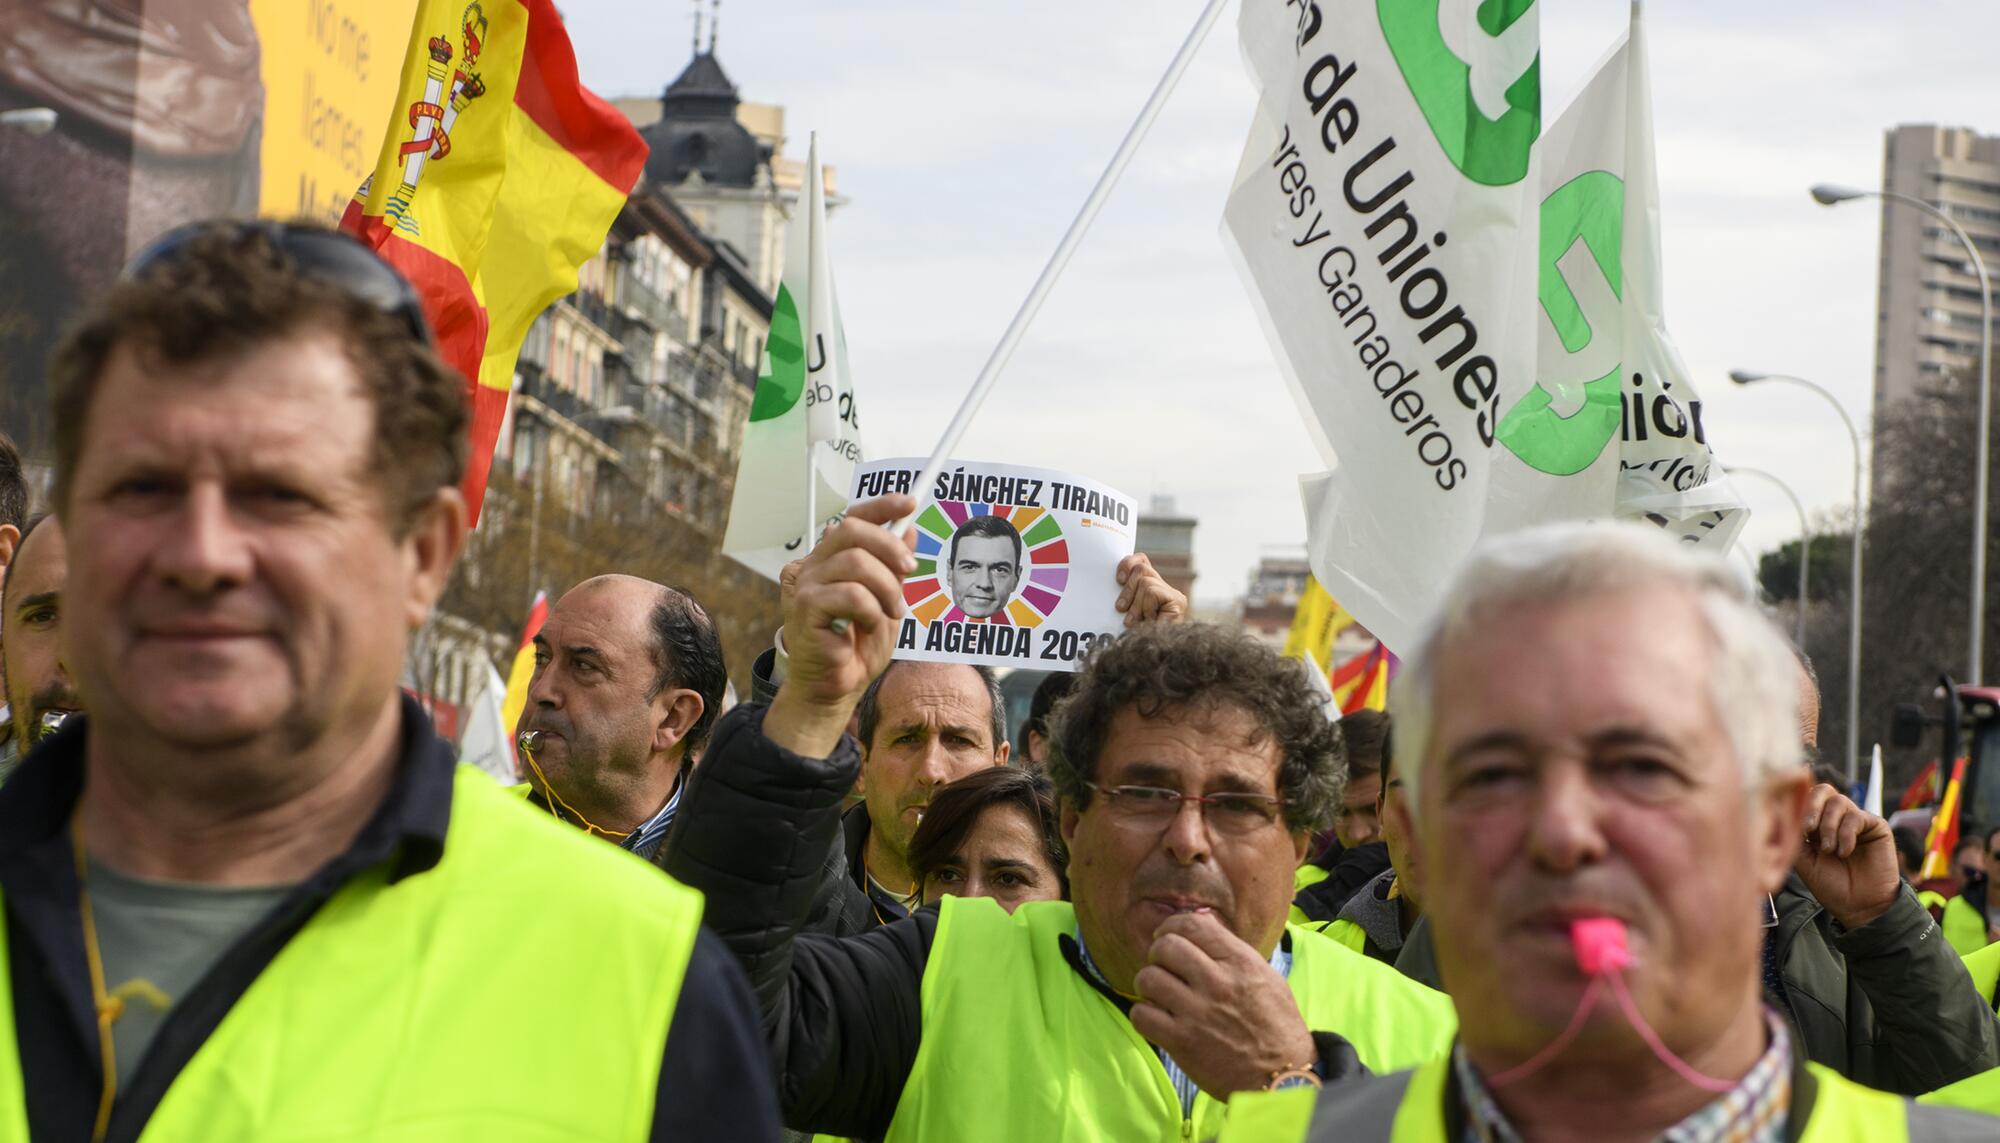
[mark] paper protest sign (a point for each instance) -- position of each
(1016, 567)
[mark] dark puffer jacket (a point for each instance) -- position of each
(1888, 1005)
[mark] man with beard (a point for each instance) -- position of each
(31, 671)
(1193, 764)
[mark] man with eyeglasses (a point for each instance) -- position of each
(1193, 765)
(251, 895)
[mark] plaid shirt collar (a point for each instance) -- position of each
(1754, 1111)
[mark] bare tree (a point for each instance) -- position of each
(1918, 563)
(513, 554)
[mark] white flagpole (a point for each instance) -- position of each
(1059, 260)
(810, 538)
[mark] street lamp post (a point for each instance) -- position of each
(1746, 377)
(1827, 195)
(1805, 539)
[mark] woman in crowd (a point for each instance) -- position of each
(992, 834)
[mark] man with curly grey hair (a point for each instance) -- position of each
(1193, 766)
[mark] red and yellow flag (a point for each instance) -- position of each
(1944, 827)
(1316, 622)
(522, 671)
(1362, 682)
(498, 178)
(1922, 790)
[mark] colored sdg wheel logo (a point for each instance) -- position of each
(987, 563)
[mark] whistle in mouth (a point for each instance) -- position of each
(1599, 943)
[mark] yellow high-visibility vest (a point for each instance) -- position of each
(529, 951)
(1018, 1045)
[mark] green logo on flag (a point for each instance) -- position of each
(783, 377)
(1590, 210)
(1483, 99)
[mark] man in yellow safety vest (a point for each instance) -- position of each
(252, 896)
(1193, 764)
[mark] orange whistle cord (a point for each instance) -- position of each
(108, 1007)
(556, 799)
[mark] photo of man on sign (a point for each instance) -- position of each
(984, 565)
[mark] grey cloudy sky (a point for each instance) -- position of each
(966, 135)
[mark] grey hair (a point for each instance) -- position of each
(1752, 675)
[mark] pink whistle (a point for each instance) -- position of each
(1600, 945)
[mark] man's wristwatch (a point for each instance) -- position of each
(1292, 1077)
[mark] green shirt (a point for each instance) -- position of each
(158, 939)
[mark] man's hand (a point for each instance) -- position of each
(1145, 597)
(855, 574)
(1218, 1008)
(1848, 859)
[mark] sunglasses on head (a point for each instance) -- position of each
(328, 256)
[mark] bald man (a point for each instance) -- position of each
(628, 680)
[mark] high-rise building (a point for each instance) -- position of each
(1167, 538)
(1927, 323)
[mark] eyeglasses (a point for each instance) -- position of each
(330, 256)
(1152, 807)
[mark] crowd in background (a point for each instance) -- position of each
(1578, 882)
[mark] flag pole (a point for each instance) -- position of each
(811, 539)
(1059, 260)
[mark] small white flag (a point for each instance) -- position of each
(803, 437)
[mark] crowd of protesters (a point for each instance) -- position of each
(1578, 883)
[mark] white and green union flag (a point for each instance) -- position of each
(803, 438)
(1467, 309)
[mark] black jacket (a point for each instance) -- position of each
(712, 1043)
(1355, 867)
(868, 902)
(845, 1015)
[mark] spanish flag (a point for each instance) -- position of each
(1944, 827)
(1315, 624)
(1362, 682)
(1359, 683)
(497, 180)
(523, 669)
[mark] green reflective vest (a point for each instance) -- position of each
(1409, 1108)
(1347, 934)
(520, 989)
(1964, 928)
(1305, 877)
(1979, 1092)
(1018, 1045)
